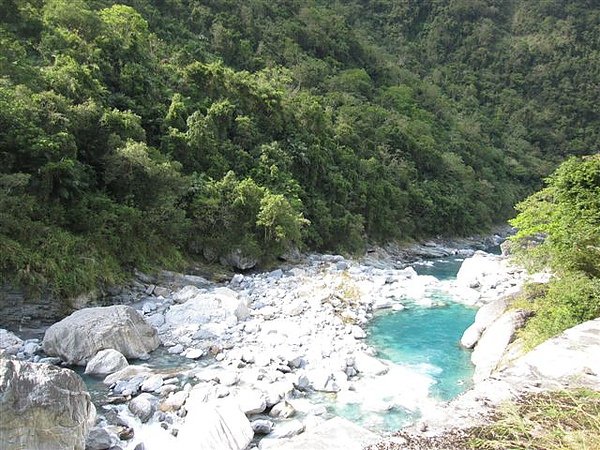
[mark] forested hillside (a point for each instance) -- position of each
(147, 132)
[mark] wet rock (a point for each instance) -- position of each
(78, 337)
(37, 397)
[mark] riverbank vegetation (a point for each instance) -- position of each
(547, 421)
(559, 230)
(145, 132)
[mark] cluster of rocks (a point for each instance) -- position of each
(252, 353)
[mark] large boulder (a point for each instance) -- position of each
(215, 306)
(42, 407)
(214, 425)
(78, 337)
(480, 269)
(486, 315)
(495, 340)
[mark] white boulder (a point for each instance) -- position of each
(494, 342)
(106, 362)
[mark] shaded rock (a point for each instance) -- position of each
(106, 362)
(220, 424)
(78, 337)
(42, 407)
(238, 260)
(99, 439)
(262, 426)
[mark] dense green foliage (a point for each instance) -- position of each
(566, 214)
(143, 132)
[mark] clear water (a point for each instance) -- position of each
(442, 269)
(426, 341)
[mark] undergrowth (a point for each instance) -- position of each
(557, 420)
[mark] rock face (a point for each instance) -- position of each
(212, 426)
(494, 342)
(106, 362)
(78, 337)
(577, 349)
(42, 407)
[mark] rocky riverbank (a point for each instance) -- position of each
(262, 355)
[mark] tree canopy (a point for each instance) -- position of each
(144, 132)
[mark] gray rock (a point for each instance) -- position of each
(10, 342)
(160, 291)
(143, 406)
(175, 401)
(262, 426)
(156, 320)
(152, 383)
(99, 439)
(78, 337)
(106, 362)
(50, 403)
(238, 260)
(275, 275)
(215, 306)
